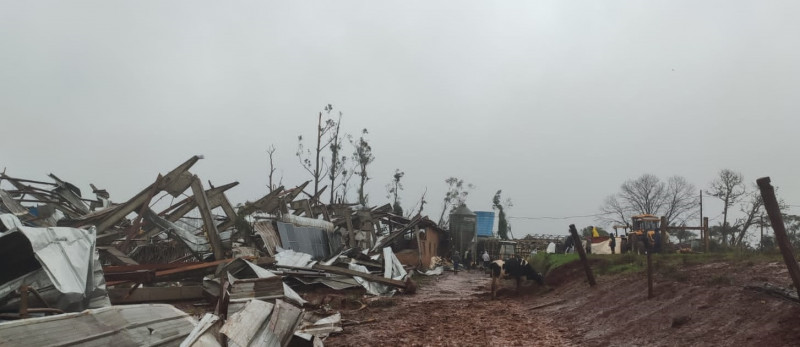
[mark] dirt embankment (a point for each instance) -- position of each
(705, 304)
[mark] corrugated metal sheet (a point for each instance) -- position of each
(119, 326)
(203, 333)
(333, 282)
(309, 240)
(289, 257)
(12, 205)
(260, 323)
(68, 275)
(307, 222)
(199, 245)
(269, 235)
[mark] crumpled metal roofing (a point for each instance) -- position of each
(288, 257)
(124, 325)
(198, 245)
(70, 277)
(309, 240)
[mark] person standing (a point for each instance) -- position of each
(569, 245)
(456, 259)
(612, 243)
(468, 259)
(486, 259)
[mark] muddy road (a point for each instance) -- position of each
(698, 303)
(454, 309)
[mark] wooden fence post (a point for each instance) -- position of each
(774, 212)
(579, 247)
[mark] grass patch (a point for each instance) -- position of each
(544, 262)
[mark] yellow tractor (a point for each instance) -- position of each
(643, 234)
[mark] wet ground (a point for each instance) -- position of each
(454, 309)
(705, 304)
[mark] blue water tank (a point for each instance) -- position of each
(485, 223)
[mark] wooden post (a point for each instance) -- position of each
(702, 231)
(579, 247)
(208, 220)
(649, 273)
(705, 231)
(774, 212)
(761, 240)
(23, 301)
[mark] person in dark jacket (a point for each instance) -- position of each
(612, 243)
(569, 245)
(456, 259)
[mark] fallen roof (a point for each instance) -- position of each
(126, 325)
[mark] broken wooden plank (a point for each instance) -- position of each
(208, 220)
(366, 276)
(120, 296)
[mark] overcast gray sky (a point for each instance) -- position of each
(554, 102)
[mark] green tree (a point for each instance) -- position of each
(455, 196)
(337, 172)
(682, 235)
(393, 190)
(316, 167)
(363, 157)
(503, 228)
(587, 231)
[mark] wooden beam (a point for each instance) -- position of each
(366, 276)
(208, 220)
(116, 257)
(154, 294)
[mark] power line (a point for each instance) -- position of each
(568, 217)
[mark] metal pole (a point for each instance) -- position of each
(774, 212)
(579, 247)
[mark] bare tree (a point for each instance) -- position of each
(318, 167)
(752, 208)
(270, 153)
(729, 188)
(456, 195)
(680, 200)
(337, 168)
(673, 199)
(363, 157)
(421, 205)
(613, 211)
(645, 194)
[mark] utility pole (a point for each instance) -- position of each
(701, 215)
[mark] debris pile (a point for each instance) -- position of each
(263, 273)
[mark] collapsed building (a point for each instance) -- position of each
(251, 267)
